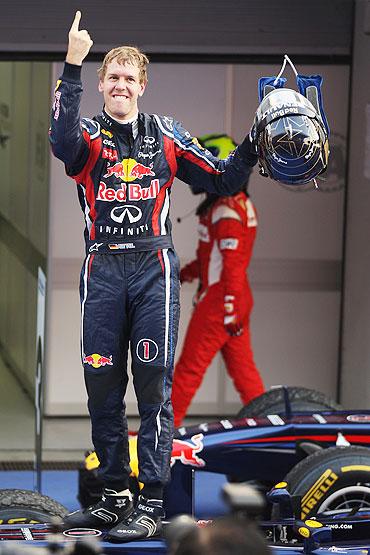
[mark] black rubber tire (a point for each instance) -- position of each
(326, 475)
(28, 507)
(301, 399)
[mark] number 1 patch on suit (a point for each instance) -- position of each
(146, 350)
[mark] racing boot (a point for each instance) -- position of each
(111, 509)
(144, 522)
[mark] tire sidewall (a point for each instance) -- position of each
(341, 468)
(23, 515)
(20, 506)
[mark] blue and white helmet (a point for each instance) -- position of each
(292, 142)
(291, 131)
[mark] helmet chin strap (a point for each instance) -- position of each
(286, 59)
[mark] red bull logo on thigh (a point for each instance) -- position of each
(96, 360)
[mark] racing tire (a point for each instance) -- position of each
(301, 399)
(20, 506)
(333, 479)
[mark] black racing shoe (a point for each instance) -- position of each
(111, 509)
(144, 522)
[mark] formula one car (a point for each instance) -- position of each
(288, 434)
(309, 457)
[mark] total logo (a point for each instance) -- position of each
(97, 360)
(129, 170)
(130, 191)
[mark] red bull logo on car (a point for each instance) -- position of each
(97, 360)
(186, 451)
(129, 170)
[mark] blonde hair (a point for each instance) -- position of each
(126, 55)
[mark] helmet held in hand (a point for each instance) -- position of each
(292, 141)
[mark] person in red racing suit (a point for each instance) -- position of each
(124, 163)
(220, 320)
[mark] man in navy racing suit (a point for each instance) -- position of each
(124, 163)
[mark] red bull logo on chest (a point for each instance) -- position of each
(130, 191)
(129, 170)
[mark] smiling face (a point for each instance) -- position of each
(121, 88)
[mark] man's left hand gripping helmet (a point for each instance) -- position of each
(291, 130)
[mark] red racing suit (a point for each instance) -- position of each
(227, 231)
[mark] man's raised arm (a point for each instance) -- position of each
(67, 139)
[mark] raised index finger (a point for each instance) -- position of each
(76, 21)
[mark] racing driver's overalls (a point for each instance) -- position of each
(129, 285)
(227, 232)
